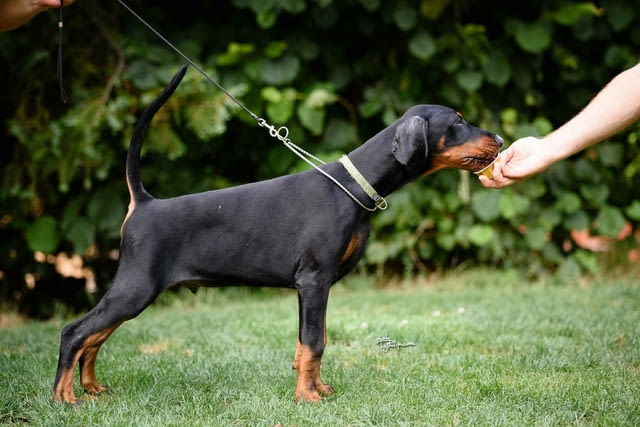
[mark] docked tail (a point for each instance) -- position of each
(136, 189)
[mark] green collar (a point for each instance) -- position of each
(378, 200)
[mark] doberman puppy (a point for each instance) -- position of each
(299, 231)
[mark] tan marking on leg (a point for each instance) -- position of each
(89, 354)
(88, 373)
(64, 390)
(296, 357)
(309, 386)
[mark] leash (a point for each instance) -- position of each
(63, 94)
(281, 133)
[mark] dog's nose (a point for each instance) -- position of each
(498, 139)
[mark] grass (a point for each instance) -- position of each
(489, 351)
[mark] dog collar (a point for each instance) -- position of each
(378, 200)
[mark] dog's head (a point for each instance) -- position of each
(432, 137)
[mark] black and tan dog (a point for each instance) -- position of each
(299, 231)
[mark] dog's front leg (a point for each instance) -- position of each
(312, 306)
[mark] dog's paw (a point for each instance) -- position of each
(325, 389)
(308, 396)
(69, 398)
(314, 394)
(94, 388)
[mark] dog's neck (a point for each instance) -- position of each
(376, 163)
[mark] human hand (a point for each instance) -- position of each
(48, 4)
(523, 158)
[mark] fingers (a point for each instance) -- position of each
(48, 4)
(499, 180)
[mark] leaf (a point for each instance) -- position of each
(611, 154)
(432, 9)
(235, 52)
(281, 109)
(551, 253)
(280, 71)
(42, 234)
(596, 193)
(497, 70)
(568, 202)
(293, 6)
(371, 5)
(339, 135)
(446, 241)
(549, 219)
(525, 129)
(206, 120)
(452, 201)
(142, 74)
(587, 259)
(106, 210)
(633, 210)
(469, 80)
(533, 37)
(271, 94)
(405, 17)
(320, 97)
(81, 234)
(266, 19)
(480, 235)
(513, 204)
(422, 45)
(542, 125)
(485, 204)
(311, 118)
(275, 49)
(620, 14)
(163, 139)
(571, 13)
(536, 238)
(578, 220)
(569, 269)
(609, 221)
(370, 107)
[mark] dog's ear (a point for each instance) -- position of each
(410, 146)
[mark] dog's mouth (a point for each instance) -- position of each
(478, 164)
(488, 169)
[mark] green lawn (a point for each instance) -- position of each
(489, 350)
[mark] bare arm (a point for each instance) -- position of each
(613, 109)
(14, 13)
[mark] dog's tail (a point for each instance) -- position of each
(136, 189)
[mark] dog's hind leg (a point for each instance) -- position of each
(80, 341)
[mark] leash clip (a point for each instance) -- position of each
(281, 133)
(380, 202)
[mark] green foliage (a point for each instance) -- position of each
(335, 73)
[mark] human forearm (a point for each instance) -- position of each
(613, 109)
